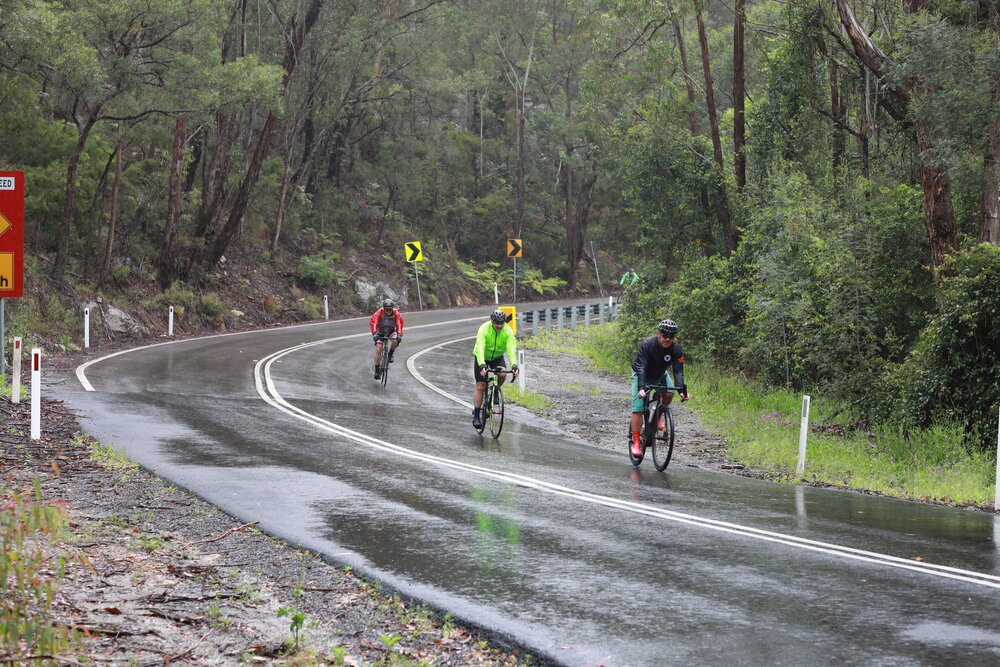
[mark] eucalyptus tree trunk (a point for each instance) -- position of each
(722, 204)
(298, 29)
(939, 213)
(112, 219)
(168, 254)
(989, 206)
(69, 201)
(688, 81)
(739, 93)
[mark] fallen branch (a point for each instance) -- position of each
(225, 534)
(166, 661)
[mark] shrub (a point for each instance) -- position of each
(951, 373)
(315, 272)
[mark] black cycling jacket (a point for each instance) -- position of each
(652, 361)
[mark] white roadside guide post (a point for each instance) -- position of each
(520, 366)
(170, 321)
(326, 307)
(86, 327)
(36, 393)
(15, 382)
(803, 432)
(496, 295)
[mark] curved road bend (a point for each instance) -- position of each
(538, 535)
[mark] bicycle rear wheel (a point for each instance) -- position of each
(663, 438)
(496, 413)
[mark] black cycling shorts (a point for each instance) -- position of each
(492, 363)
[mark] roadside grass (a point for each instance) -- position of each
(528, 399)
(32, 563)
(762, 432)
(106, 455)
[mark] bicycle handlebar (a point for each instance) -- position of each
(682, 390)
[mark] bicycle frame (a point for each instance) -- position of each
(493, 389)
(384, 358)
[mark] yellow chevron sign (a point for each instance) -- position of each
(5, 224)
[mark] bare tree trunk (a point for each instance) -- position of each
(688, 81)
(168, 256)
(572, 251)
(865, 124)
(989, 207)
(939, 214)
(281, 207)
(69, 202)
(837, 111)
(739, 92)
(113, 220)
(722, 205)
(519, 209)
(297, 31)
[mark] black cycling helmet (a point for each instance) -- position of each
(668, 328)
(389, 303)
(498, 316)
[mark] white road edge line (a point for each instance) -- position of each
(81, 370)
(265, 388)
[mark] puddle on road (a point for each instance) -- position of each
(948, 634)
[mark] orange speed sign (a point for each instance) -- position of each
(11, 233)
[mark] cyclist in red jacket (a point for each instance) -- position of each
(387, 321)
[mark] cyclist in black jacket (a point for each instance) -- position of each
(657, 354)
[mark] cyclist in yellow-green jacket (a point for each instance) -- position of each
(494, 339)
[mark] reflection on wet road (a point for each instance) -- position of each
(539, 535)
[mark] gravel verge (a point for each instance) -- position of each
(156, 576)
(594, 406)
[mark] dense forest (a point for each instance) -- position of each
(812, 189)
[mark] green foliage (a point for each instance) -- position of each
(311, 307)
(30, 569)
(528, 399)
(296, 621)
(534, 280)
(951, 373)
(212, 307)
(318, 271)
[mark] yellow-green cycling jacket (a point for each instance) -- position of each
(492, 344)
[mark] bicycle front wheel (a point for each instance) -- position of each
(636, 460)
(663, 437)
(484, 409)
(385, 365)
(496, 413)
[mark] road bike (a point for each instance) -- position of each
(657, 429)
(492, 405)
(383, 361)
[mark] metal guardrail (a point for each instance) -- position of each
(566, 317)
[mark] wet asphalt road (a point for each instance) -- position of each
(538, 535)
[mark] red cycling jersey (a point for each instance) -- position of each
(383, 322)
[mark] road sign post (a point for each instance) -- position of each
(413, 255)
(514, 248)
(15, 383)
(11, 248)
